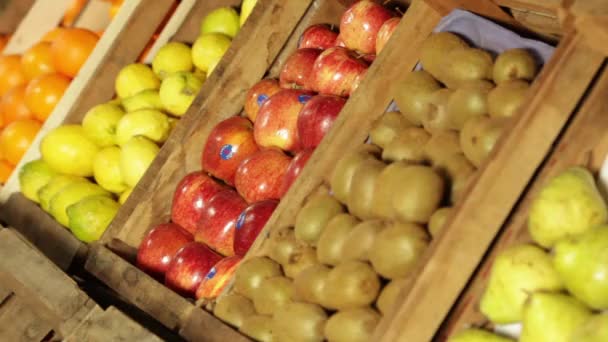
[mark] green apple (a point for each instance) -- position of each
(178, 91)
(33, 176)
(221, 20)
(246, 8)
(135, 78)
(99, 123)
(56, 184)
(147, 99)
(123, 197)
(136, 155)
(149, 123)
(89, 218)
(172, 57)
(477, 335)
(106, 169)
(70, 194)
(68, 149)
(208, 50)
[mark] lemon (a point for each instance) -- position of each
(106, 169)
(208, 50)
(171, 58)
(148, 123)
(100, 122)
(71, 194)
(56, 184)
(178, 91)
(136, 155)
(146, 99)
(89, 217)
(68, 150)
(135, 78)
(221, 20)
(33, 176)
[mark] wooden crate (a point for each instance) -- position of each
(39, 302)
(11, 14)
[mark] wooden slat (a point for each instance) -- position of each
(590, 17)
(584, 143)
(95, 16)
(20, 323)
(485, 8)
(11, 14)
(454, 255)
(549, 7)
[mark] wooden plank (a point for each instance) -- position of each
(590, 17)
(20, 323)
(122, 43)
(43, 16)
(584, 143)
(549, 7)
(454, 255)
(11, 14)
(95, 16)
(485, 8)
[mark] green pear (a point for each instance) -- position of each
(568, 204)
(146, 99)
(100, 122)
(517, 272)
(148, 123)
(171, 58)
(71, 194)
(106, 169)
(90, 217)
(136, 155)
(33, 176)
(208, 49)
(221, 20)
(582, 263)
(595, 329)
(477, 335)
(178, 91)
(552, 317)
(56, 184)
(413, 95)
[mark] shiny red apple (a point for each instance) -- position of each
(297, 69)
(339, 42)
(260, 176)
(385, 33)
(360, 24)
(190, 197)
(188, 267)
(216, 227)
(250, 223)
(258, 94)
(294, 169)
(335, 71)
(357, 81)
(276, 124)
(218, 278)
(229, 143)
(319, 36)
(316, 118)
(159, 246)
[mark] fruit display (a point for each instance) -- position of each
(86, 171)
(553, 286)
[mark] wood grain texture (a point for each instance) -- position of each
(20, 323)
(11, 14)
(590, 18)
(584, 143)
(455, 254)
(549, 7)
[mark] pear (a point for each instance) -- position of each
(552, 317)
(387, 182)
(277, 293)
(100, 122)
(233, 309)
(388, 295)
(438, 220)
(54, 186)
(479, 136)
(134, 78)
(360, 240)
(582, 263)
(258, 327)
(354, 325)
(413, 93)
(309, 283)
(435, 48)
(568, 204)
(89, 218)
(437, 118)
(208, 50)
(361, 197)
(331, 242)
(178, 91)
(441, 146)
(506, 99)
(221, 20)
(517, 272)
(149, 123)
(171, 58)
(350, 285)
(146, 99)
(458, 171)
(313, 217)
(386, 128)
(418, 193)
(595, 329)
(299, 322)
(469, 100)
(408, 146)
(477, 335)
(514, 64)
(341, 178)
(468, 64)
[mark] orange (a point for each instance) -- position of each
(43, 93)
(11, 73)
(12, 105)
(16, 138)
(4, 40)
(5, 171)
(73, 12)
(71, 49)
(52, 35)
(37, 60)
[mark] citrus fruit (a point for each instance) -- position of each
(73, 12)
(147, 99)
(50, 36)
(135, 78)
(171, 58)
(4, 38)
(70, 194)
(148, 123)
(178, 91)
(100, 122)
(221, 20)
(16, 138)
(71, 48)
(13, 107)
(208, 49)
(56, 184)
(106, 169)
(136, 155)
(68, 150)
(44, 92)
(89, 218)
(33, 176)
(37, 60)
(11, 73)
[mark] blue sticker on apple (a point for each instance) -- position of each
(226, 152)
(261, 99)
(240, 221)
(304, 98)
(211, 273)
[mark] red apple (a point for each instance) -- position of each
(229, 143)
(191, 195)
(294, 169)
(297, 69)
(316, 118)
(191, 263)
(335, 70)
(319, 36)
(159, 246)
(250, 223)
(385, 33)
(216, 227)
(357, 81)
(258, 94)
(260, 176)
(339, 42)
(276, 124)
(360, 24)
(217, 278)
